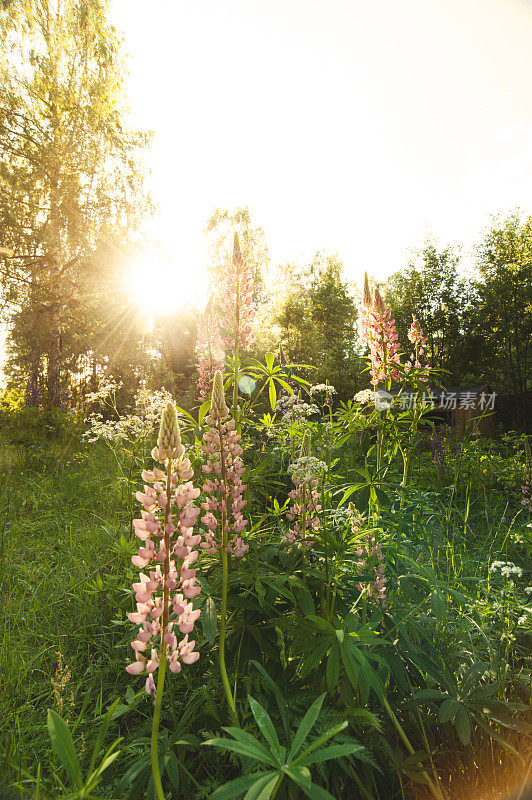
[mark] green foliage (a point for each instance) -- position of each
(286, 761)
(504, 313)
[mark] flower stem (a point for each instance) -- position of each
(162, 659)
(434, 788)
(221, 650)
(155, 725)
(225, 501)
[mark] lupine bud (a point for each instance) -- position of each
(237, 306)
(238, 259)
(219, 410)
(367, 294)
(169, 439)
(209, 350)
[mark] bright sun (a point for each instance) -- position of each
(162, 283)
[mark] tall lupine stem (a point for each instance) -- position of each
(171, 488)
(238, 310)
(223, 505)
(377, 331)
(209, 350)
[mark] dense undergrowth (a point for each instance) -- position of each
(431, 675)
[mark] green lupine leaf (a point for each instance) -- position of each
(269, 358)
(333, 751)
(281, 702)
(305, 726)
(209, 620)
(263, 720)
(237, 787)
(448, 709)
(249, 747)
(463, 725)
(304, 599)
(322, 624)
(63, 747)
(332, 673)
(350, 665)
(263, 788)
(272, 393)
(312, 660)
(301, 776)
(203, 410)
(438, 603)
(171, 762)
(321, 740)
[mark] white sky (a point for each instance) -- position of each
(357, 126)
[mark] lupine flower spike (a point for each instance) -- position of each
(384, 344)
(416, 336)
(376, 329)
(224, 487)
(305, 509)
(238, 312)
(163, 608)
(209, 350)
(224, 504)
(238, 308)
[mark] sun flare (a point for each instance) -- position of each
(162, 283)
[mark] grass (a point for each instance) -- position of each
(65, 573)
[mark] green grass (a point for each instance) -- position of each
(65, 574)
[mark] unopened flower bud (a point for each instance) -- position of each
(367, 294)
(219, 410)
(238, 259)
(169, 440)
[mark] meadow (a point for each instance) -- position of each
(376, 629)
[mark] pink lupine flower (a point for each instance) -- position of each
(237, 306)
(166, 531)
(416, 336)
(224, 488)
(376, 329)
(363, 320)
(209, 350)
(384, 344)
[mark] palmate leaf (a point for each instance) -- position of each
(267, 728)
(321, 740)
(333, 751)
(305, 726)
(301, 776)
(332, 673)
(233, 789)
(263, 788)
(209, 620)
(249, 748)
(272, 393)
(248, 740)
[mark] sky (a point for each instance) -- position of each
(346, 125)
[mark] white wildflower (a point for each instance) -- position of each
(365, 397)
(322, 387)
(306, 467)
